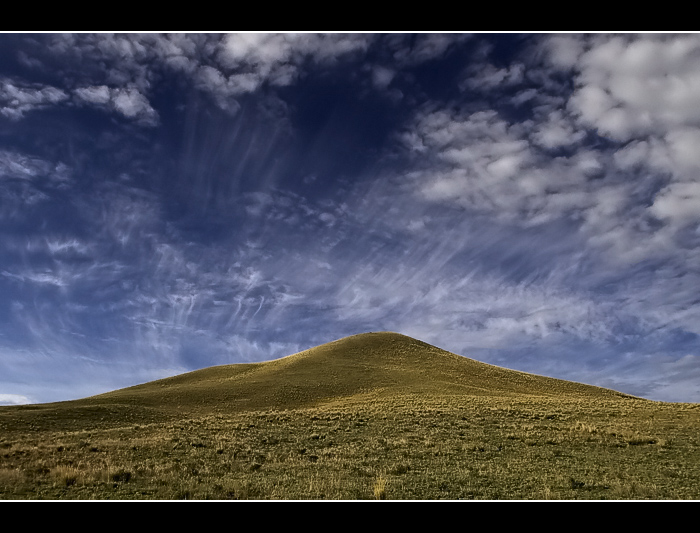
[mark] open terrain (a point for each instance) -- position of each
(373, 416)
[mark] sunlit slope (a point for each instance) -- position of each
(378, 364)
(361, 368)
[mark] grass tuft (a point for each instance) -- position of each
(380, 488)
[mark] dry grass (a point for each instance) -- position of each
(380, 488)
(398, 429)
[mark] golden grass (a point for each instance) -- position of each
(377, 416)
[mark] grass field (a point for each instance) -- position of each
(374, 416)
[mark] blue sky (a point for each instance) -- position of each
(173, 202)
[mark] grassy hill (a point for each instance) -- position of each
(373, 415)
(382, 364)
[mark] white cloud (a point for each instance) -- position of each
(644, 91)
(432, 46)
(18, 98)
(556, 131)
(98, 95)
(635, 154)
(381, 76)
(66, 246)
(564, 51)
(17, 165)
(640, 91)
(127, 101)
(683, 150)
(225, 66)
(14, 399)
(132, 104)
(482, 162)
(633, 86)
(262, 51)
(678, 202)
(247, 60)
(486, 77)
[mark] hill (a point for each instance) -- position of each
(379, 364)
(369, 365)
(373, 415)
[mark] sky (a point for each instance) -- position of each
(173, 202)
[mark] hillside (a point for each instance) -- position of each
(376, 365)
(380, 363)
(376, 415)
